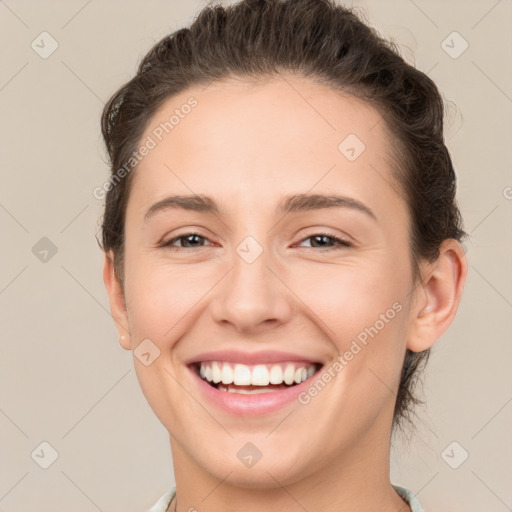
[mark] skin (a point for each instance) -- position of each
(246, 146)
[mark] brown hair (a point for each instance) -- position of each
(328, 43)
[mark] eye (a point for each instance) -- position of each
(319, 241)
(188, 240)
(325, 241)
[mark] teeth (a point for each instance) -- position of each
(289, 374)
(227, 374)
(276, 375)
(216, 375)
(208, 373)
(260, 376)
(242, 391)
(242, 375)
(224, 373)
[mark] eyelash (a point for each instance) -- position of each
(341, 243)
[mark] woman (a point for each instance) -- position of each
(282, 248)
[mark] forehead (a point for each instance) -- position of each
(255, 140)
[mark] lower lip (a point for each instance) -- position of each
(254, 404)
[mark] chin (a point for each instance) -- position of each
(266, 473)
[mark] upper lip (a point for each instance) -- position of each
(250, 358)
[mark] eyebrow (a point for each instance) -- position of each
(288, 204)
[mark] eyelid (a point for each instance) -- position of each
(339, 241)
(185, 234)
(185, 231)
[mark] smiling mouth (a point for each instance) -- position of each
(252, 379)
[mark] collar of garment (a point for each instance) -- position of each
(163, 503)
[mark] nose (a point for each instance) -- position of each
(253, 296)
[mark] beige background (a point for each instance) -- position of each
(64, 377)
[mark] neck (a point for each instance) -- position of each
(354, 480)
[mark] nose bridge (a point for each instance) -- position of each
(252, 295)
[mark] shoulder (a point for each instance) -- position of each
(410, 498)
(163, 503)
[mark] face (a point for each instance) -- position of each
(255, 280)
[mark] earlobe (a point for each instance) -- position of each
(117, 303)
(124, 341)
(438, 297)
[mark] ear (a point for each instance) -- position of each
(438, 296)
(117, 303)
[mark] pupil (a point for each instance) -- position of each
(191, 237)
(324, 237)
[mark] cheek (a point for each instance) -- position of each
(160, 296)
(350, 298)
(160, 301)
(363, 312)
